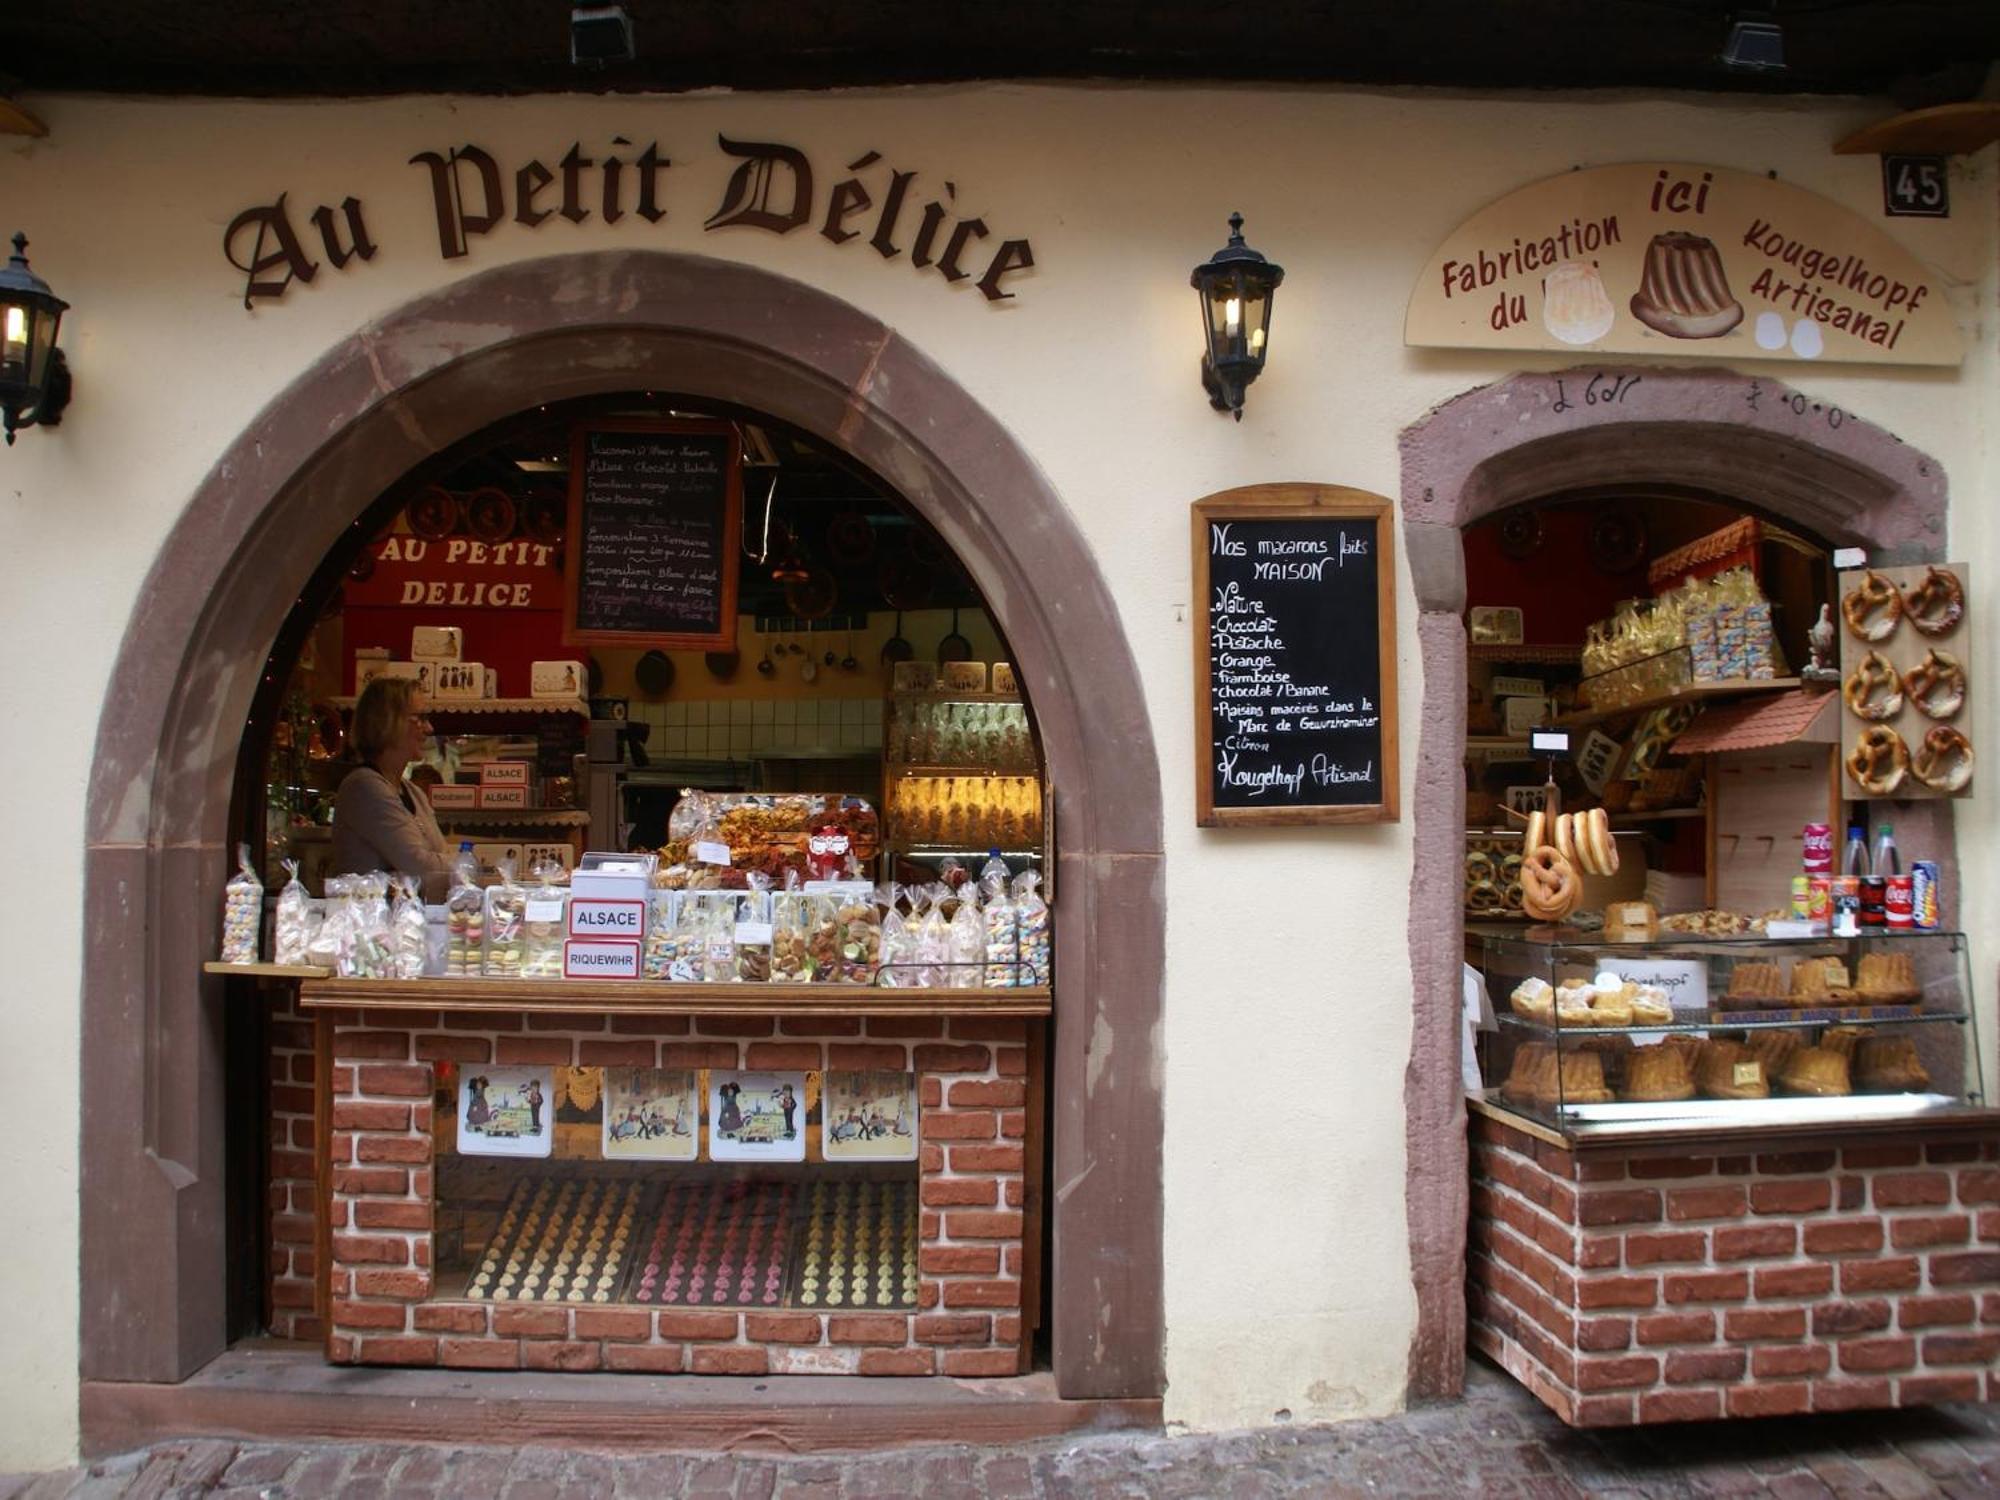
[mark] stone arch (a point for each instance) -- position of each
(401, 389)
(1517, 440)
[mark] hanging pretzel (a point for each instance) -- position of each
(1873, 690)
(1872, 607)
(1879, 761)
(1936, 684)
(1936, 605)
(1944, 760)
(1549, 886)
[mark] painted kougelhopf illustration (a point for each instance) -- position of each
(1575, 306)
(1683, 291)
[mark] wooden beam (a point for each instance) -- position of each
(652, 997)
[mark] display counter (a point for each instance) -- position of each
(1733, 1176)
(723, 1179)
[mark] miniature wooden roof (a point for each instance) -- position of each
(1787, 718)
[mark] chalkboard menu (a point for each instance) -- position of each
(655, 517)
(1295, 667)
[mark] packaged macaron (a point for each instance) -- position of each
(242, 911)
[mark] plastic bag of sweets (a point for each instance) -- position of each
(968, 941)
(899, 943)
(684, 958)
(933, 939)
(506, 926)
(374, 934)
(326, 945)
(718, 952)
(1003, 944)
(409, 932)
(823, 938)
(242, 911)
(662, 936)
(465, 920)
(1031, 925)
(790, 963)
(755, 935)
(860, 940)
(547, 914)
(294, 907)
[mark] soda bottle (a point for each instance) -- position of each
(1887, 862)
(1855, 860)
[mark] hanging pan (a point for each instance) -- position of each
(491, 515)
(814, 596)
(896, 648)
(433, 513)
(722, 665)
(850, 538)
(654, 674)
(954, 647)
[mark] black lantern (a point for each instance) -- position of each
(34, 380)
(1237, 286)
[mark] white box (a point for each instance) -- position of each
(914, 677)
(491, 856)
(1522, 714)
(437, 643)
(600, 958)
(614, 877)
(504, 798)
(506, 773)
(607, 917)
(366, 672)
(492, 682)
(458, 679)
(965, 676)
(557, 679)
(1004, 681)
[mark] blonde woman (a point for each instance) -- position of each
(382, 820)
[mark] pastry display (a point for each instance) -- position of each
(1817, 1072)
(1731, 1070)
(1756, 983)
(857, 1246)
(1937, 604)
(1936, 685)
(1819, 981)
(1944, 761)
(1631, 921)
(1532, 1062)
(1880, 760)
(1683, 290)
(1774, 1048)
(1886, 976)
(1872, 607)
(1842, 1039)
(1575, 307)
(1651, 1007)
(1573, 1002)
(1657, 1075)
(1711, 923)
(558, 1243)
(1873, 690)
(1550, 889)
(718, 1244)
(1534, 999)
(1615, 1050)
(1889, 1065)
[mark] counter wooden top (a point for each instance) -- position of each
(1708, 1137)
(652, 997)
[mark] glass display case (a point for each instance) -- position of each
(1595, 1035)
(960, 778)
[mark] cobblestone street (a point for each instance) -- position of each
(1496, 1443)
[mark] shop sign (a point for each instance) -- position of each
(773, 189)
(458, 572)
(1681, 260)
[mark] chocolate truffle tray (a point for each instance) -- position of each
(690, 1241)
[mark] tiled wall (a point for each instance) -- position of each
(737, 727)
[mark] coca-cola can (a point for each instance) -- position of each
(1900, 906)
(1819, 849)
(1926, 895)
(1802, 897)
(1819, 898)
(1874, 900)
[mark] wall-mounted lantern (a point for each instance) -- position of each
(1237, 287)
(34, 378)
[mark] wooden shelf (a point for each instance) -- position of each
(516, 817)
(902, 769)
(269, 971)
(655, 997)
(1496, 742)
(1687, 692)
(1629, 819)
(444, 707)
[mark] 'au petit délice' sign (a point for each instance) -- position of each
(772, 189)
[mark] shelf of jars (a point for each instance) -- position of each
(445, 707)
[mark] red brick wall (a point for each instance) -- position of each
(294, 1185)
(1638, 1289)
(972, 1088)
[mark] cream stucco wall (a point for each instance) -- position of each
(1287, 1267)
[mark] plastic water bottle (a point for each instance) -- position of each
(1855, 860)
(1887, 861)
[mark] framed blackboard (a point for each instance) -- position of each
(655, 518)
(1294, 657)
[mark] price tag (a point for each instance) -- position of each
(1747, 1074)
(712, 853)
(1549, 741)
(753, 934)
(544, 910)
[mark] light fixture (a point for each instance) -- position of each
(34, 377)
(600, 34)
(1237, 287)
(1754, 46)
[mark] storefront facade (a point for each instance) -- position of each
(1213, 980)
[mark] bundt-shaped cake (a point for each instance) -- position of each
(1756, 983)
(1683, 290)
(1843, 1039)
(1658, 1075)
(1533, 1069)
(1819, 1072)
(1581, 1081)
(1730, 1070)
(1774, 1049)
(1818, 981)
(1889, 1065)
(1575, 306)
(1615, 1050)
(1887, 976)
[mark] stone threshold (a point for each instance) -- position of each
(266, 1390)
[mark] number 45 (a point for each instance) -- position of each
(1914, 186)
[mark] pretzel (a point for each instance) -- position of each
(1533, 839)
(1482, 895)
(1879, 761)
(1603, 847)
(1873, 690)
(1944, 760)
(1565, 836)
(1872, 607)
(1513, 895)
(1936, 605)
(1936, 684)
(1549, 887)
(1478, 867)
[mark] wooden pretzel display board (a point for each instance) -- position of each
(1904, 647)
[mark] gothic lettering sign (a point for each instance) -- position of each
(1690, 261)
(772, 189)
(1294, 657)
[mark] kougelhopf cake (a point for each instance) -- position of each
(1819, 980)
(1616, 1051)
(1756, 984)
(1889, 1065)
(1683, 291)
(1819, 1072)
(1580, 1080)
(1687, 1046)
(1842, 1039)
(1730, 1070)
(1774, 1049)
(1533, 1070)
(1575, 306)
(1887, 976)
(1658, 1075)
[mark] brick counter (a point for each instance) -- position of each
(974, 1185)
(1634, 1286)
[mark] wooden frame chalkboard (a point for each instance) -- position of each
(655, 530)
(1295, 691)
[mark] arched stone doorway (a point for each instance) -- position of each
(400, 390)
(1522, 439)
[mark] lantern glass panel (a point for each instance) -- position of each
(15, 324)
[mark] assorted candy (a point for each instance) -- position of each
(242, 911)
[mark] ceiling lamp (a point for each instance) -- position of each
(1237, 286)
